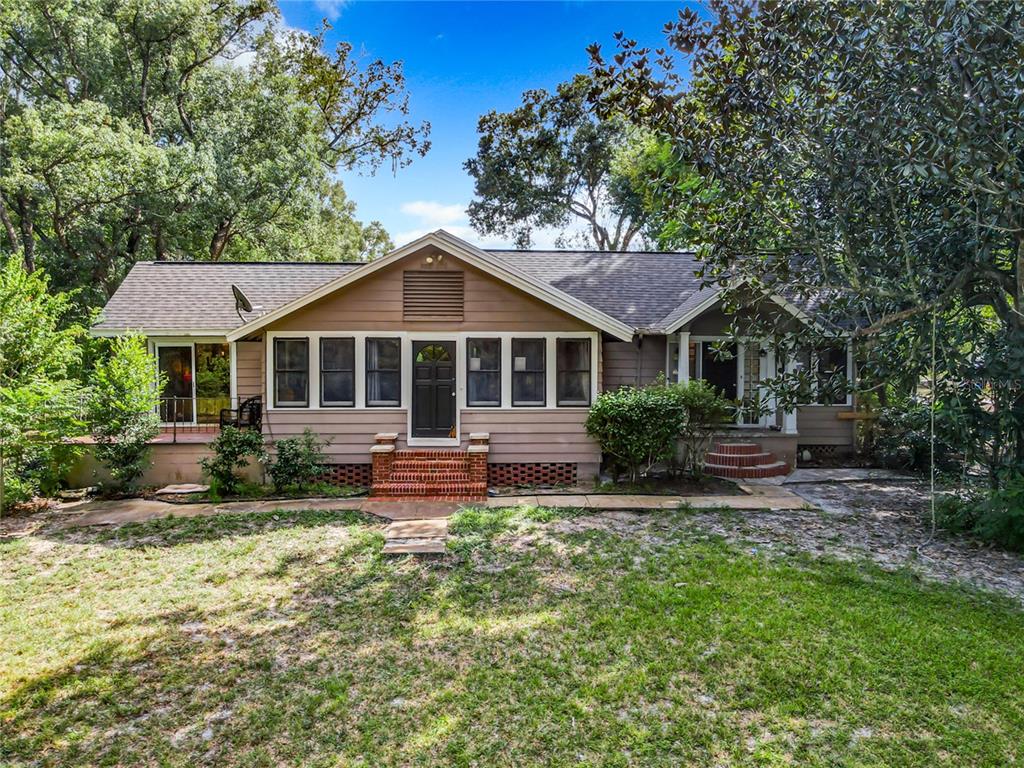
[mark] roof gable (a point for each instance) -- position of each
(498, 268)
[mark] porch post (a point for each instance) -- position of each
(770, 373)
(233, 385)
(741, 366)
(789, 417)
(684, 356)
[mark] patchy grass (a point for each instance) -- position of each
(545, 638)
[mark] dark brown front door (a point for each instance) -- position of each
(720, 370)
(433, 389)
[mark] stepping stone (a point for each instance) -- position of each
(417, 529)
(431, 546)
(183, 488)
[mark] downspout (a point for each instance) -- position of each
(639, 357)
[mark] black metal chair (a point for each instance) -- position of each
(248, 415)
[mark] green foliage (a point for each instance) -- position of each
(705, 411)
(862, 158)
(996, 517)
(550, 162)
(903, 438)
(185, 129)
(123, 397)
(640, 427)
(40, 402)
(299, 461)
(232, 450)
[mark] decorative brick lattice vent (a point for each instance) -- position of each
(356, 475)
(531, 474)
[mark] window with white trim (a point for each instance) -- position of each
(483, 373)
(337, 372)
(529, 373)
(383, 372)
(291, 372)
(831, 376)
(572, 359)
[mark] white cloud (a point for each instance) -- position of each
(331, 9)
(434, 214)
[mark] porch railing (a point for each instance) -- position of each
(192, 415)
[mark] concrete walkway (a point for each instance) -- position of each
(119, 512)
(845, 475)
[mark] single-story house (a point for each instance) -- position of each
(441, 350)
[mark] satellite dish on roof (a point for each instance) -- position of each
(242, 303)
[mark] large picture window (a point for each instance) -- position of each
(338, 372)
(528, 372)
(383, 372)
(291, 372)
(573, 371)
(483, 372)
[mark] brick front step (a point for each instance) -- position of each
(431, 489)
(775, 469)
(737, 448)
(430, 476)
(406, 499)
(430, 454)
(740, 459)
(419, 465)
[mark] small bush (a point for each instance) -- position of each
(122, 409)
(232, 450)
(902, 439)
(300, 461)
(706, 410)
(996, 517)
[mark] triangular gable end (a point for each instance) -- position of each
(468, 253)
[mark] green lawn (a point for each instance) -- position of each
(286, 639)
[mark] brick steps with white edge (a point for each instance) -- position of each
(743, 461)
(437, 474)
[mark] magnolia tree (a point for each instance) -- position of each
(866, 161)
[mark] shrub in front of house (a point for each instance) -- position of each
(299, 462)
(636, 427)
(233, 449)
(640, 427)
(122, 409)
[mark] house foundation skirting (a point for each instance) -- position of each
(535, 473)
(353, 475)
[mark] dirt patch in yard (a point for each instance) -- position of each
(883, 522)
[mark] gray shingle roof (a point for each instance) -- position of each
(196, 295)
(638, 288)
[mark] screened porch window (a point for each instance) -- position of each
(483, 375)
(383, 372)
(291, 372)
(338, 372)
(528, 372)
(573, 371)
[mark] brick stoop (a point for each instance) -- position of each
(743, 461)
(438, 475)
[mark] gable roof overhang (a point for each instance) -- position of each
(706, 298)
(468, 253)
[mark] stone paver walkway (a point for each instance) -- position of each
(844, 475)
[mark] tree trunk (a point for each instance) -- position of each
(220, 239)
(28, 243)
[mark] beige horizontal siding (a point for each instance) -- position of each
(375, 303)
(818, 425)
(625, 364)
(249, 368)
(551, 435)
(350, 432)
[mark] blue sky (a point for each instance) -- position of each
(462, 60)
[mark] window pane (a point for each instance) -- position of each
(484, 388)
(528, 389)
(484, 354)
(337, 354)
(291, 387)
(573, 372)
(383, 388)
(291, 354)
(383, 354)
(338, 388)
(528, 354)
